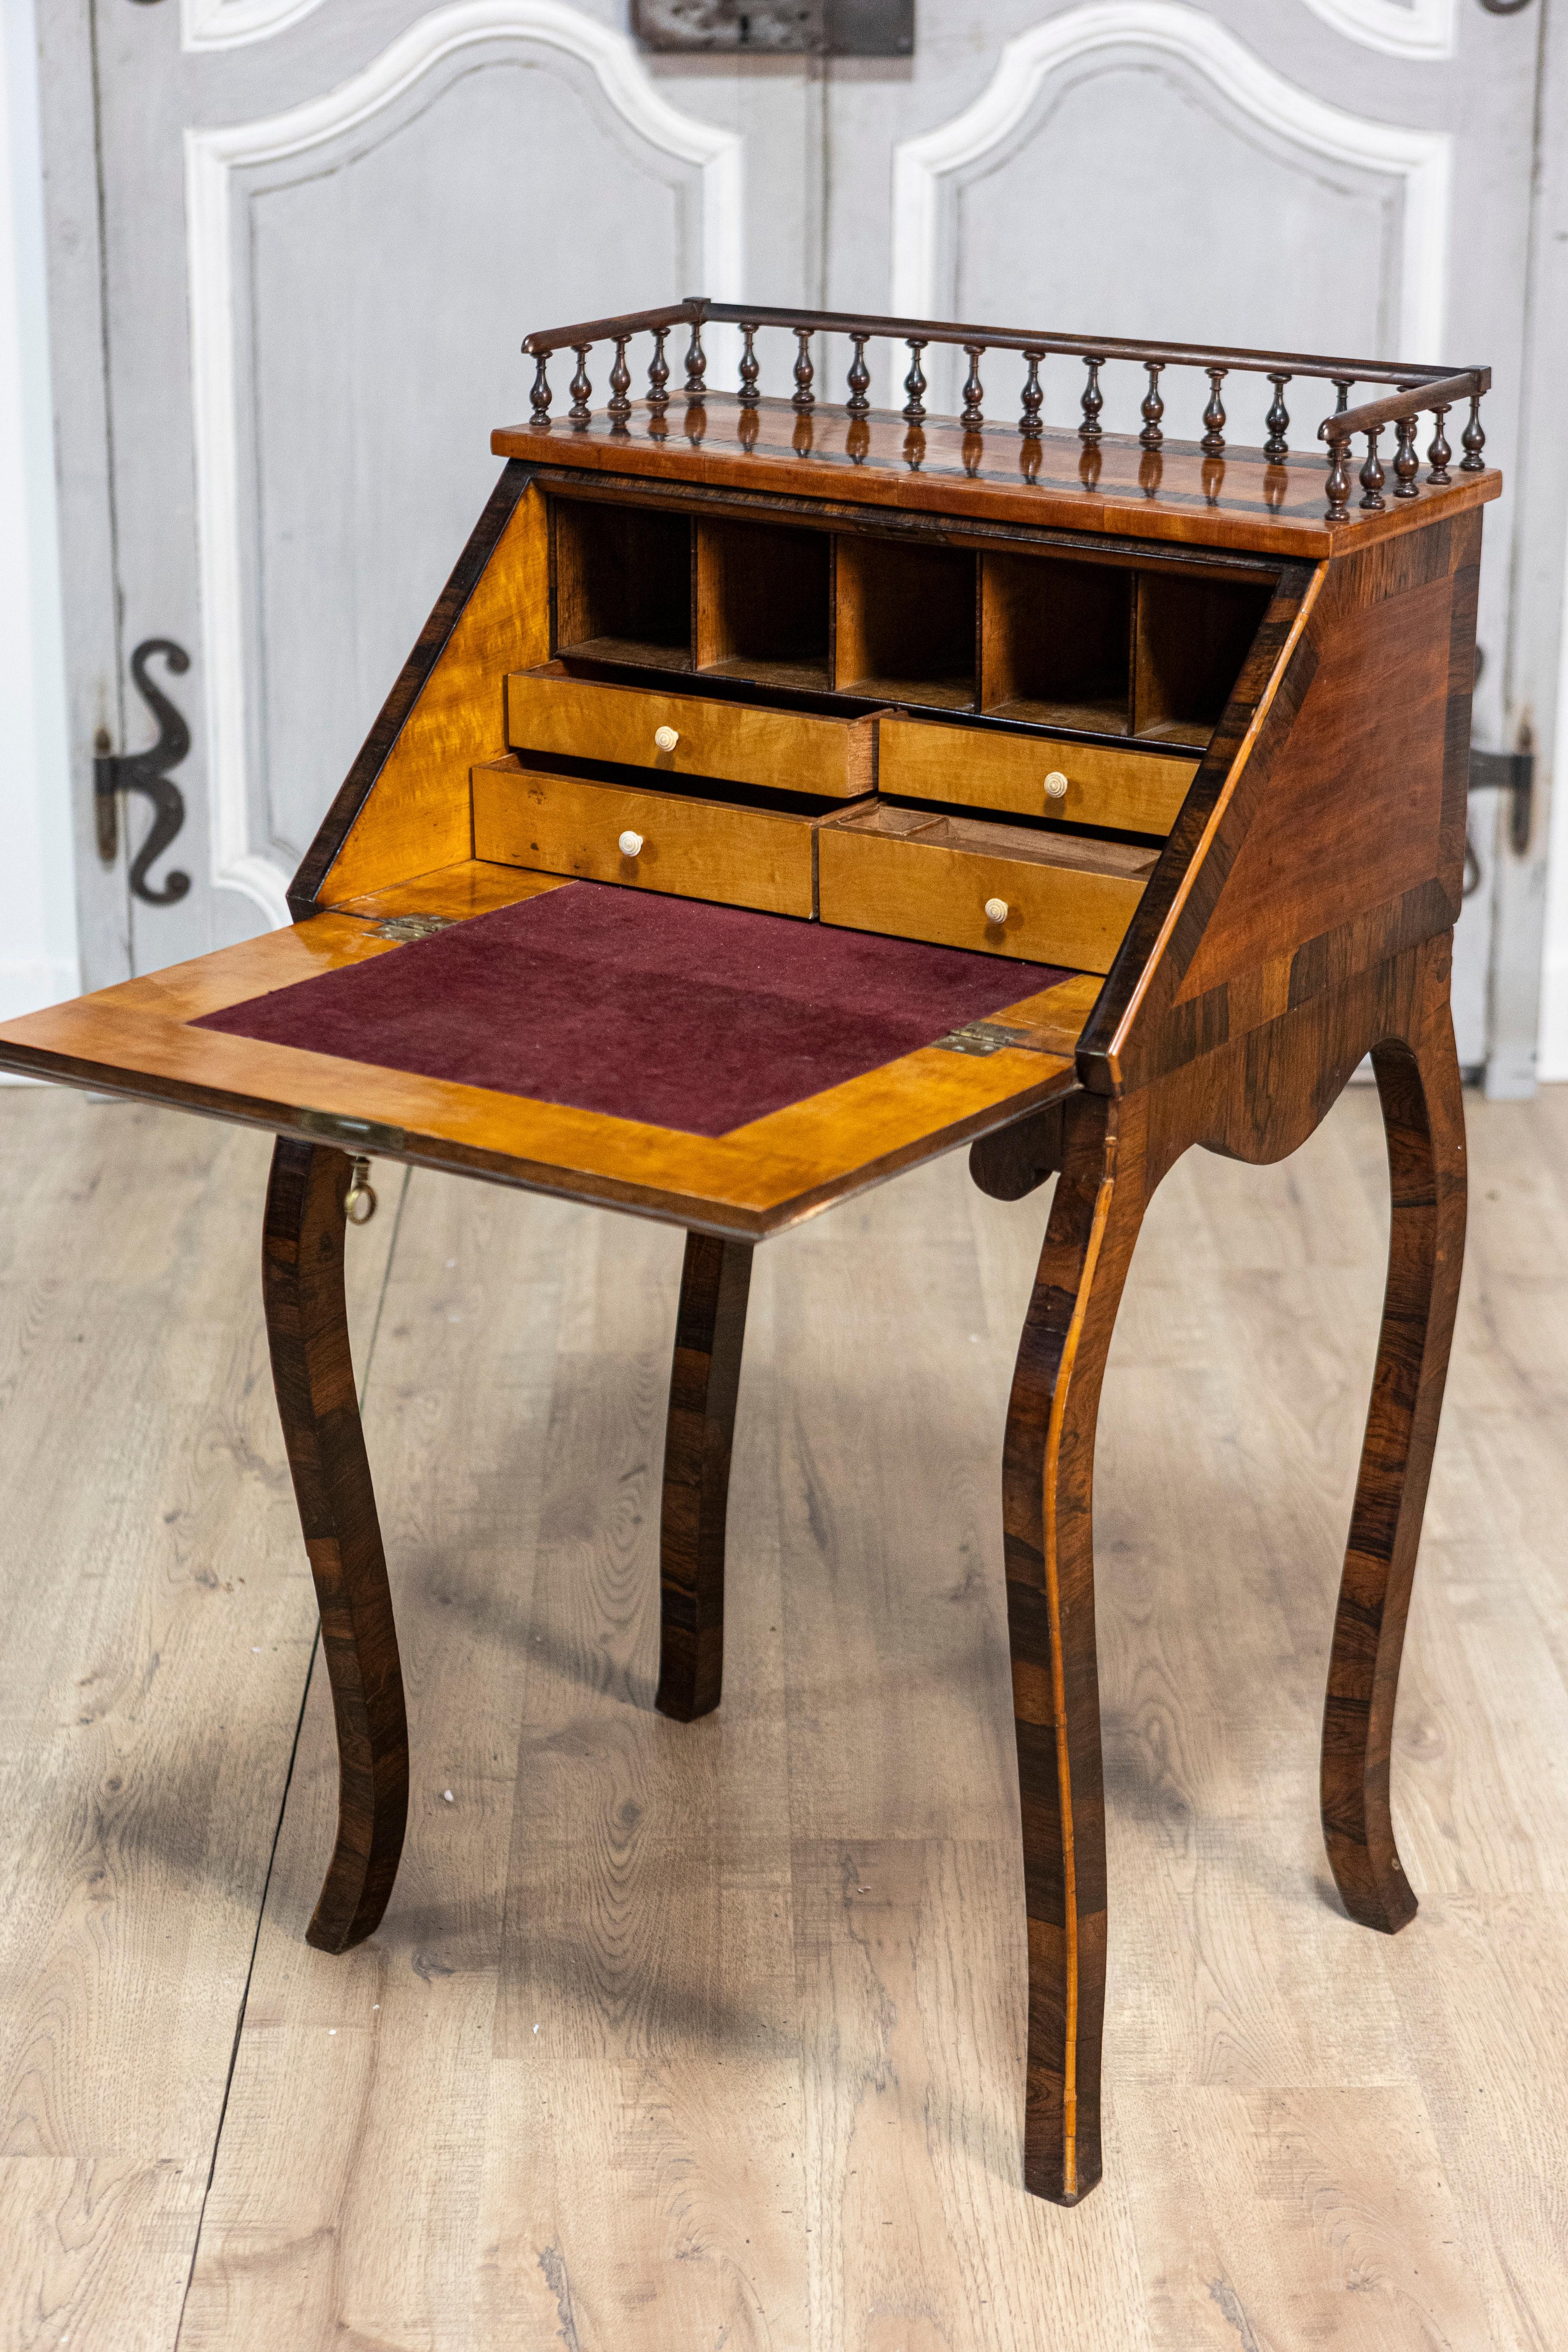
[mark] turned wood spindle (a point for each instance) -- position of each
(1212, 441)
(915, 385)
(751, 367)
(1153, 407)
(1439, 453)
(540, 389)
(1406, 464)
(1473, 440)
(1339, 482)
(1034, 396)
(1278, 421)
(658, 373)
(974, 390)
(695, 363)
(620, 407)
(1341, 385)
(804, 396)
(580, 412)
(1093, 399)
(1372, 474)
(858, 402)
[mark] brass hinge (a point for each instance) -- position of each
(354, 1135)
(989, 1037)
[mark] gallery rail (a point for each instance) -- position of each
(1417, 391)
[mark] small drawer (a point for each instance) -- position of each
(965, 884)
(686, 847)
(1136, 791)
(550, 711)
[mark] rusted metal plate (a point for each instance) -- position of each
(833, 28)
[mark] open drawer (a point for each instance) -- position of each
(551, 712)
(672, 841)
(1030, 776)
(964, 883)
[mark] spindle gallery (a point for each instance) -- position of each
(838, 784)
(1419, 391)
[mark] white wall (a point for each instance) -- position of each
(1554, 975)
(37, 884)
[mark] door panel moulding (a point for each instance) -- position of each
(1428, 29)
(229, 23)
(212, 159)
(925, 168)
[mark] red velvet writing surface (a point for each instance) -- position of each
(663, 1010)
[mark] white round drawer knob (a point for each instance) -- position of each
(631, 844)
(1057, 786)
(995, 911)
(666, 738)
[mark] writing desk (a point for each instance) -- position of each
(782, 793)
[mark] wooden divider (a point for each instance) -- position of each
(1094, 647)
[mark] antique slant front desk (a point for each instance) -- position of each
(783, 791)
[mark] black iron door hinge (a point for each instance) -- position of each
(1512, 773)
(114, 772)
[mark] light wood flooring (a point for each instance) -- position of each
(707, 2038)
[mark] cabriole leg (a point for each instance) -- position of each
(1046, 1483)
(704, 1382)
(1423, 1115)
(307, 1330)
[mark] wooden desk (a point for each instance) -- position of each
(1144, 766)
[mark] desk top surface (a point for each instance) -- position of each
(143, 1038)
(1241, 501)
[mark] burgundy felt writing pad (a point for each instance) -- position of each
(663, 1010)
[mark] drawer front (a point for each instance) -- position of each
(923, 890)
(784, 750)
(1134, 790)
(689, 848)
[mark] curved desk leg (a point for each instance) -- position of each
(307, 1330)
(704, 1382)
(1047, 1482)
(1423, 1113)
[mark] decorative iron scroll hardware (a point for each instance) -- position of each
(114, 772)
(828, 28)
(1417, 389)
(1504, 7)
(1512, 773)
(1471, 882)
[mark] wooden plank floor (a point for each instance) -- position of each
(708, 2038)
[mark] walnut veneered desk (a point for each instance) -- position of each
(781, 793)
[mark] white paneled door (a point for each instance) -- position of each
(295, 245)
